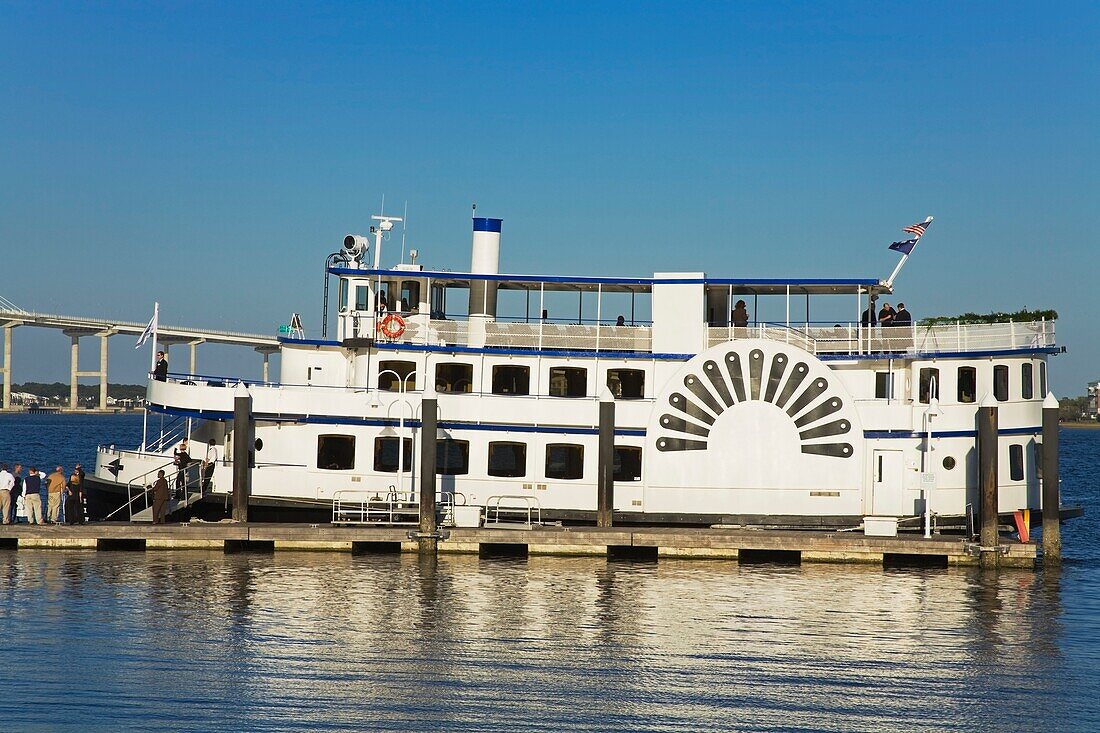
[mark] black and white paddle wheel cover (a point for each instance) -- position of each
(754, 426)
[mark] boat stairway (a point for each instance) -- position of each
(174, 505)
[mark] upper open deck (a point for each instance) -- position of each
(672, 315)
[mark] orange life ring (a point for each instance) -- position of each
(392, 326)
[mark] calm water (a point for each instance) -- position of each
(209, 641)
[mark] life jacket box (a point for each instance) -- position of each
(467, 516)
(880, 526)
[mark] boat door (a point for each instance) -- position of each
(888, 487)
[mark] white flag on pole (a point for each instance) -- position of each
(149, 330)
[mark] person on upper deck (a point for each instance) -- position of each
(886, 315)
(902, 317)
(740, 315)
(868, 317)
(620, 321)
(160, 371)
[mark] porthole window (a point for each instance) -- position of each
(510, 379)
(564, 461)
(568, 382)
(1000, 382)
(259, 444)
(454, 377)
(626, 384)
(336, 452)
(949, 462)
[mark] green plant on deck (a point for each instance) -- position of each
(1021, 316)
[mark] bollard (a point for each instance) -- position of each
(989, 539)
(1052, 530)
(428, 538)
(605, 475)
(243, 430)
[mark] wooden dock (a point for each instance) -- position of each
(643, 543)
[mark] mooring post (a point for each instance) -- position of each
(988, 538)
(1052, 529)
(605, 475)
(243, 428)
(429, 422)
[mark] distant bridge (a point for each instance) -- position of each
(76, 327)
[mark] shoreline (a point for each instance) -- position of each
(1087, 425)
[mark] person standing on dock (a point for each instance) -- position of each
(160, 498)
(32, 497)
(7, 483)
(55, 487)
(160, 370)
(16, 492)
(74, 495)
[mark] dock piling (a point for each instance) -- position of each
(605, 476)
(987, 483)
(243, 428)
(1052, 530)
(429, 421)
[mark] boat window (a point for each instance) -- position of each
(454, 377)
(394, 376)
(336, 452)
(1016, 462)
(509, 379)
(410, 296)
(439, 302)
(628, 463)
(929, 384)
(1038, 460)
(968, 385)
(362, 298)
(386, 459)
(626, 384)
(343, 294)
(884, 385)
(507, 459)
(564, 461)
(452, 457)
(1043, 379)
(568, 382)
(1027, 380)
(1000, 382)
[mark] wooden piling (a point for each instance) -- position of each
(605, 476)
(1052, 529)
(429, 421)
(243, 430)
(987, 483)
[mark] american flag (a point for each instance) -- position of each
(918, 230)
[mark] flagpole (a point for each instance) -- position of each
(905, 258)
(152, 366)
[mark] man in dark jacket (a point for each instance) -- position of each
(902, 317)
(160, 371)
(160, 498)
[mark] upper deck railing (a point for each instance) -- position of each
(845, 338)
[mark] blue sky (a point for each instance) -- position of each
(211, 155)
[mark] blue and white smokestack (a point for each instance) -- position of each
(485, 260)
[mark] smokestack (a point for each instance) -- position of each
(484, 260)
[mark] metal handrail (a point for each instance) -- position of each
(136, 489)
(397, 507)
(495, 506)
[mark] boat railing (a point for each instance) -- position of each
(513, 510)
(364, 506)
(139, 488)
(852, 338)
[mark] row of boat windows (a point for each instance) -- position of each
(966, 383)
(506, 459)
(511, 379)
